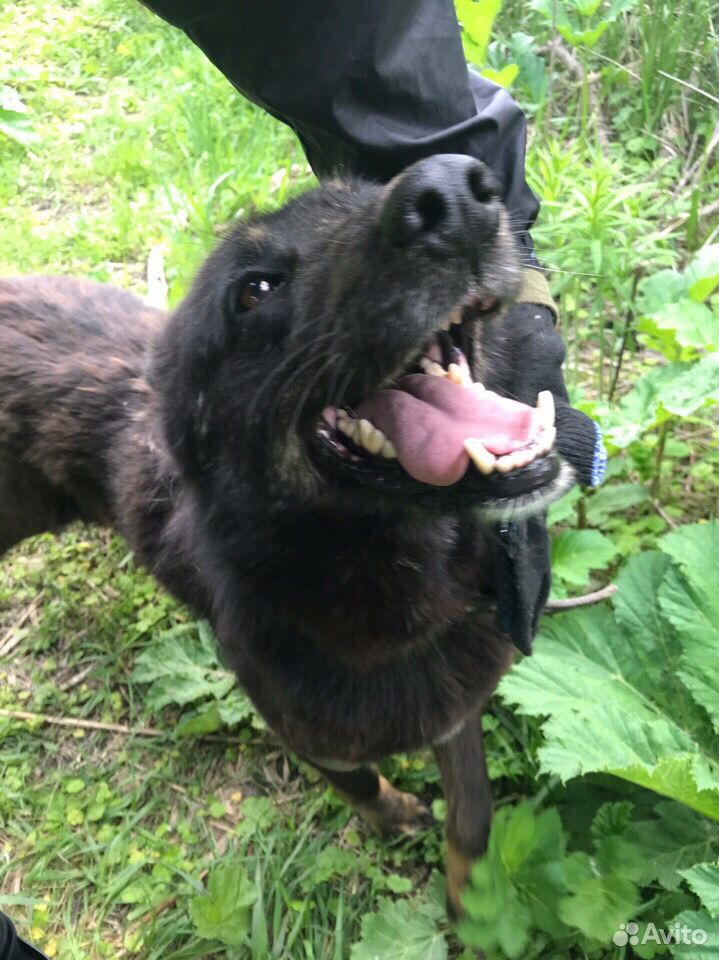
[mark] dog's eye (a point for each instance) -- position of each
(254, 291)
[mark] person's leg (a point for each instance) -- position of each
(12, 947)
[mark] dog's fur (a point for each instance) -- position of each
(352, 614)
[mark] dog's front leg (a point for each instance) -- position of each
(469, 805)
(362, 786)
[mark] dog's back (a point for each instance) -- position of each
(71, 372)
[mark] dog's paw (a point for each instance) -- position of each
(394, 811)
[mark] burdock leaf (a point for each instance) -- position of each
(398, 929)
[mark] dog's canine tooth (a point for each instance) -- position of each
(432, 367)
(545, 409)
(370, 437)
(459, 375)
(478, 387)
(388, 450)
(456, 316)
(480, 456)
(546, 439)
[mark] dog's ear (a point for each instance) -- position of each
(184, 361)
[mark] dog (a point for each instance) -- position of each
(311, 451)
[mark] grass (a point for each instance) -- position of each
(106, 836)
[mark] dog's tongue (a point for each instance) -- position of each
(428, 418)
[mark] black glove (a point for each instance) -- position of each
(533, 363)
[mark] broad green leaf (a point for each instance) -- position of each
(703, 878)
(596, 904)
(613, 498)
(504, 77)
(660, 289)
(477, 19)
(585, 38)
(223, 912)
(576, 552)
(181, 669)
(636, 603)
(532, 67)
(207, 720)
(235, 708)
(690, 601)
(330, 863)
(683, 324)
(676, 839)
(518, 885)
(564, 508)
(678, 388)
(401, 930)
(695, 550)
(15, 121)
(702, 943)
(610, 708)
(703, 272)
(683, 388)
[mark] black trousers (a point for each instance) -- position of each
(12, 947)
(369, 86)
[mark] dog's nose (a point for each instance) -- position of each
(446, 204)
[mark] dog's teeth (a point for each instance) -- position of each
(545, 409)
(349, 427)
(432, 367)
(481, 457)
(505, 463)
(388, 450)
(456, 316)
(546, 440)
(523, 458)
(478, 387)
(446, 324)
(459, 375)
(371, 438)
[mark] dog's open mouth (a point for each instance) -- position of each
(436, 426)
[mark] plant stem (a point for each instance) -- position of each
(657, 478)
(582, 513)
(628, 321)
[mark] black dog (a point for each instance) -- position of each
(304, 453)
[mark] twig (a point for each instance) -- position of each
(663, 514)
(107, 727)
(76, 679)
(12, 638)
(82, 724)
(555, 47)
(583, 601)
(702, 213)
(689, 86)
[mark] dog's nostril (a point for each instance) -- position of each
(442, 205)
(480, 186)
(431, 208)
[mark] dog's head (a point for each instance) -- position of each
(339, 351)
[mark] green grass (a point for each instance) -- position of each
(107, 836)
